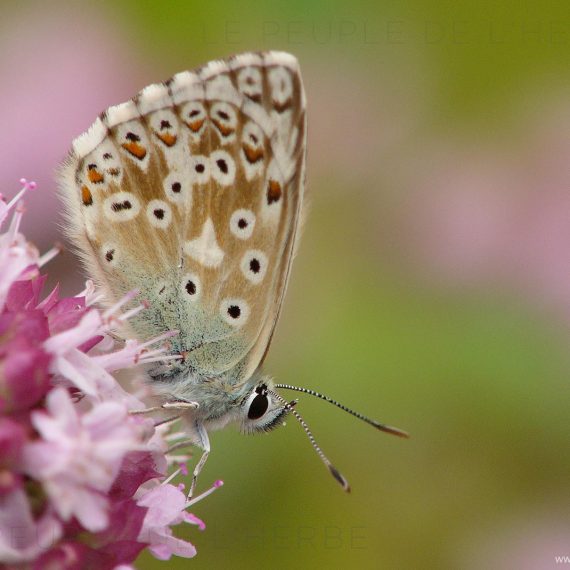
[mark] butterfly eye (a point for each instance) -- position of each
(258, 407)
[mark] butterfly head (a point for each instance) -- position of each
(254, 405)
(261, 409)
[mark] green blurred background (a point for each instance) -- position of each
(432, 285)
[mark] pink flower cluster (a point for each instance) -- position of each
(82, 478)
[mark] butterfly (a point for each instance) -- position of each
(192, 193)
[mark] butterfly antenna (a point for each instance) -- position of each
(289, 406)
(377, 425)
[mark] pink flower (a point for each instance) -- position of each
(71, 443)
(24, 365)
(22, 537)
(91, 373)
(167, 507)
(12, 437)
(16, 255)
(165, 504)
(79, 456)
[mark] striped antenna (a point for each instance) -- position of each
(377, 425)
(289, 406)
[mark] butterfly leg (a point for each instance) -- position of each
(204, 443)
(180, 405)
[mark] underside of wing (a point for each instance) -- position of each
(191, 193)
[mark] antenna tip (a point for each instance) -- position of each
(339, 477)
(391, 430)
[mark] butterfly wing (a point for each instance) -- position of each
(191, 193)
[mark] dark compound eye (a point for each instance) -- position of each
(258, 407)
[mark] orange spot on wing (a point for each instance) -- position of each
(167, 138)
(94, 175)
(253, 155)
(273, 191)
(224, 129)
(135, 149)
(195, 126)
(86, 196)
